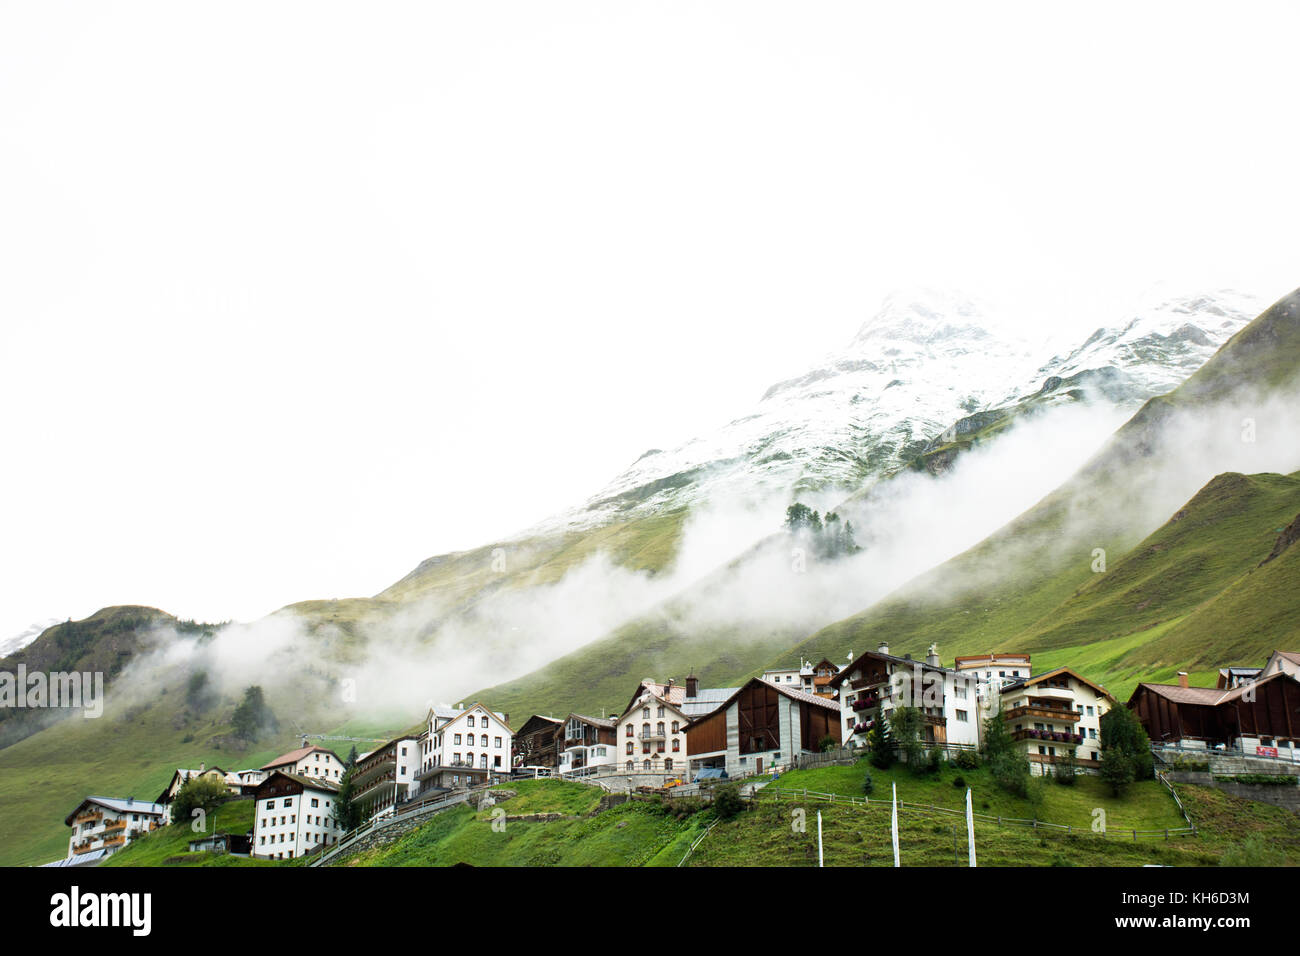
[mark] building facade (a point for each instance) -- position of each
(386, 776)
(537, 742)
(463, 747)
(586, 743)
(1054, 716)
(761, 727)
(103, 825)
(876, 683)
(651, 731)
(307, 761)
(295, 815)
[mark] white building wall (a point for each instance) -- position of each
(290, 826)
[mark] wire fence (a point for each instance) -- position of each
(778, 793)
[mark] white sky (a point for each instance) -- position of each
(295, 295)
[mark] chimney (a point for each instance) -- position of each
(932, 658)
(883, 648)
(1182, 679)
(692, 686)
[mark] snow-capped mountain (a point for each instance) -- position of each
(924, 362)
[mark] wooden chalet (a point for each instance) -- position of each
(760, 726)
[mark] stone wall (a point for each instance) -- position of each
(1280, 795)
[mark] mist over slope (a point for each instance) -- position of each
(693, 572)
(925, 362)
(1021, 587)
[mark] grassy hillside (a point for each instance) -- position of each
(134, 748)
(170, 845)
(649, 833)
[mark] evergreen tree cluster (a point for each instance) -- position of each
(831, 537)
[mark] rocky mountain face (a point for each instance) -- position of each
(927, 370)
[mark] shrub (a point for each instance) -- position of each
(1255, 850)
(197, 793)
(959, 782)
(868, 785)
(967, 759)
(726, 800)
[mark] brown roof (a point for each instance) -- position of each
(1292, 656)
(311, 783)
(293, 756)
(1209, 696)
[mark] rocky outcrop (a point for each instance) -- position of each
(1287, 538)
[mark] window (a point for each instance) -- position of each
(677, 745)
(676, 724)
(668, 764)
(456, 739)
(315, 802)
(470, 721)
(645, 765)
(660, 711)
(631, 731)
(645, 713)
(961, 716)
(631, 765)
(484, 723)
(496, 742)
(483, 741)
(629, 746)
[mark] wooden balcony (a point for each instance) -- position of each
(114, 826)
(93, 817)
(1033, 712)
(1048, 737)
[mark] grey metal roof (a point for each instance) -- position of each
(80, 860)
(122, 805)
(706, 700)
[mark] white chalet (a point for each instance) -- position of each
(103, 825)
(877, 682)
(294, 816)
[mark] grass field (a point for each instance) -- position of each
(771, 833)
(1146, 806)
(170, 845)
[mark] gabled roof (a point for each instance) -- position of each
(1210, 696)
(1205, 696)
(308, 783)
(118, 805)
(844, 672)
(1011, 685)
(543, 721)
(293, 756)
(182, 775)
(450, 714)
(706, 701)
(673, 701)
(606, 722)
(794, 694)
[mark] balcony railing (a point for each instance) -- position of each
(1041, 713)
(1048, 736)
